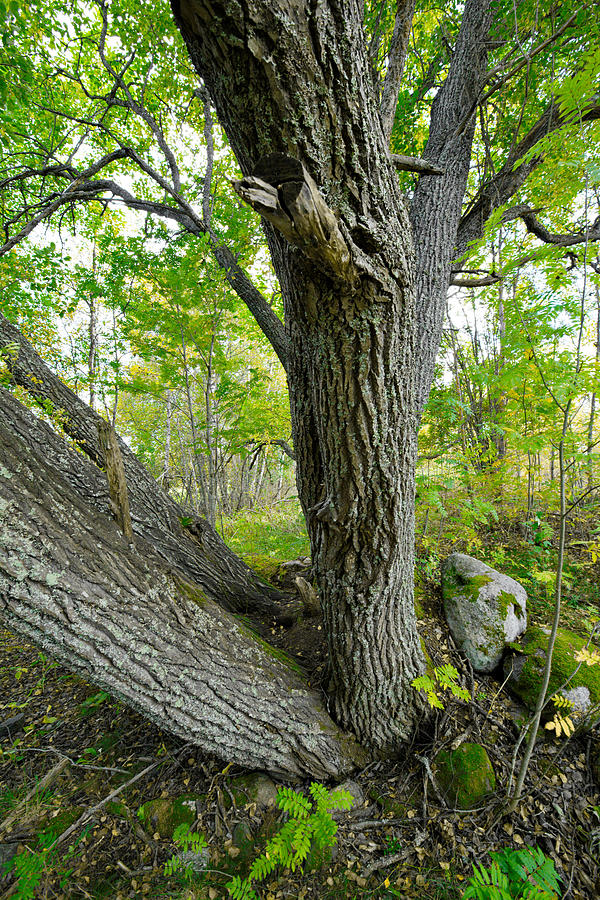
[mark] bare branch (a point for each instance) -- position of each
(65, 197)
(284, 193)
(534, 226)
(415, 164)
(85, 188)
(482, 281)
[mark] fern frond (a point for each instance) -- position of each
(294, 803)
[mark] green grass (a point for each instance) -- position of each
(276, 533)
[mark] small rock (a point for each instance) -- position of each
(196, 862)
(165, 814)
(358, 798)
(255, 787)
(354, 788)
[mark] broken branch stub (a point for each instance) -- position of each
(283, 192)
(115, 474)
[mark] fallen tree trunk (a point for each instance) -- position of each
(71, 583)
(196, 550)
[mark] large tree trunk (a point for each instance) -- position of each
(195, 550)
(71, 583)
(293, 79)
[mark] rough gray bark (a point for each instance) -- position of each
(74, 585)
(271, 71)
(405, 10)
(196, 551)
(437, 202)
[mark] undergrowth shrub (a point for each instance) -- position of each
(525, 874)
(310, 826)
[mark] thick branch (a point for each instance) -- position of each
(507, 181)
(482, 281)
(415, 164)
(534, 226)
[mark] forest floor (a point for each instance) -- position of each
(69, 805)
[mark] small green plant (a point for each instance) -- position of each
(541, 532)
(444, 678)
(187, 841)
(29, 865)
(561, 722)
(391, 845)
(515, 875)
(310, 824)
(92, 703)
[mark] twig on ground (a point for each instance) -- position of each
(46, 781)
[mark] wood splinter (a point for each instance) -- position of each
(283, 192)
(115, 474)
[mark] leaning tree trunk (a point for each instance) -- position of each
(74, 585)
(193, 549)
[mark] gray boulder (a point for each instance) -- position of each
(485, 610)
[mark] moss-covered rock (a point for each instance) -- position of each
(525, 671)
(255, 787)
(485, 609)
(465, 775)
(165, 814)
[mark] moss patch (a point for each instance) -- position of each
(165, 814)
(529, 666)
(192, 592)
(465, 775)
(275, 652)
(467, 587)
(51, 828)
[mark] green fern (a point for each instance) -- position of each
(444, 678)
(515, 875)
(28, 867)
(187, 841)
(241, 890)
(310, 824)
